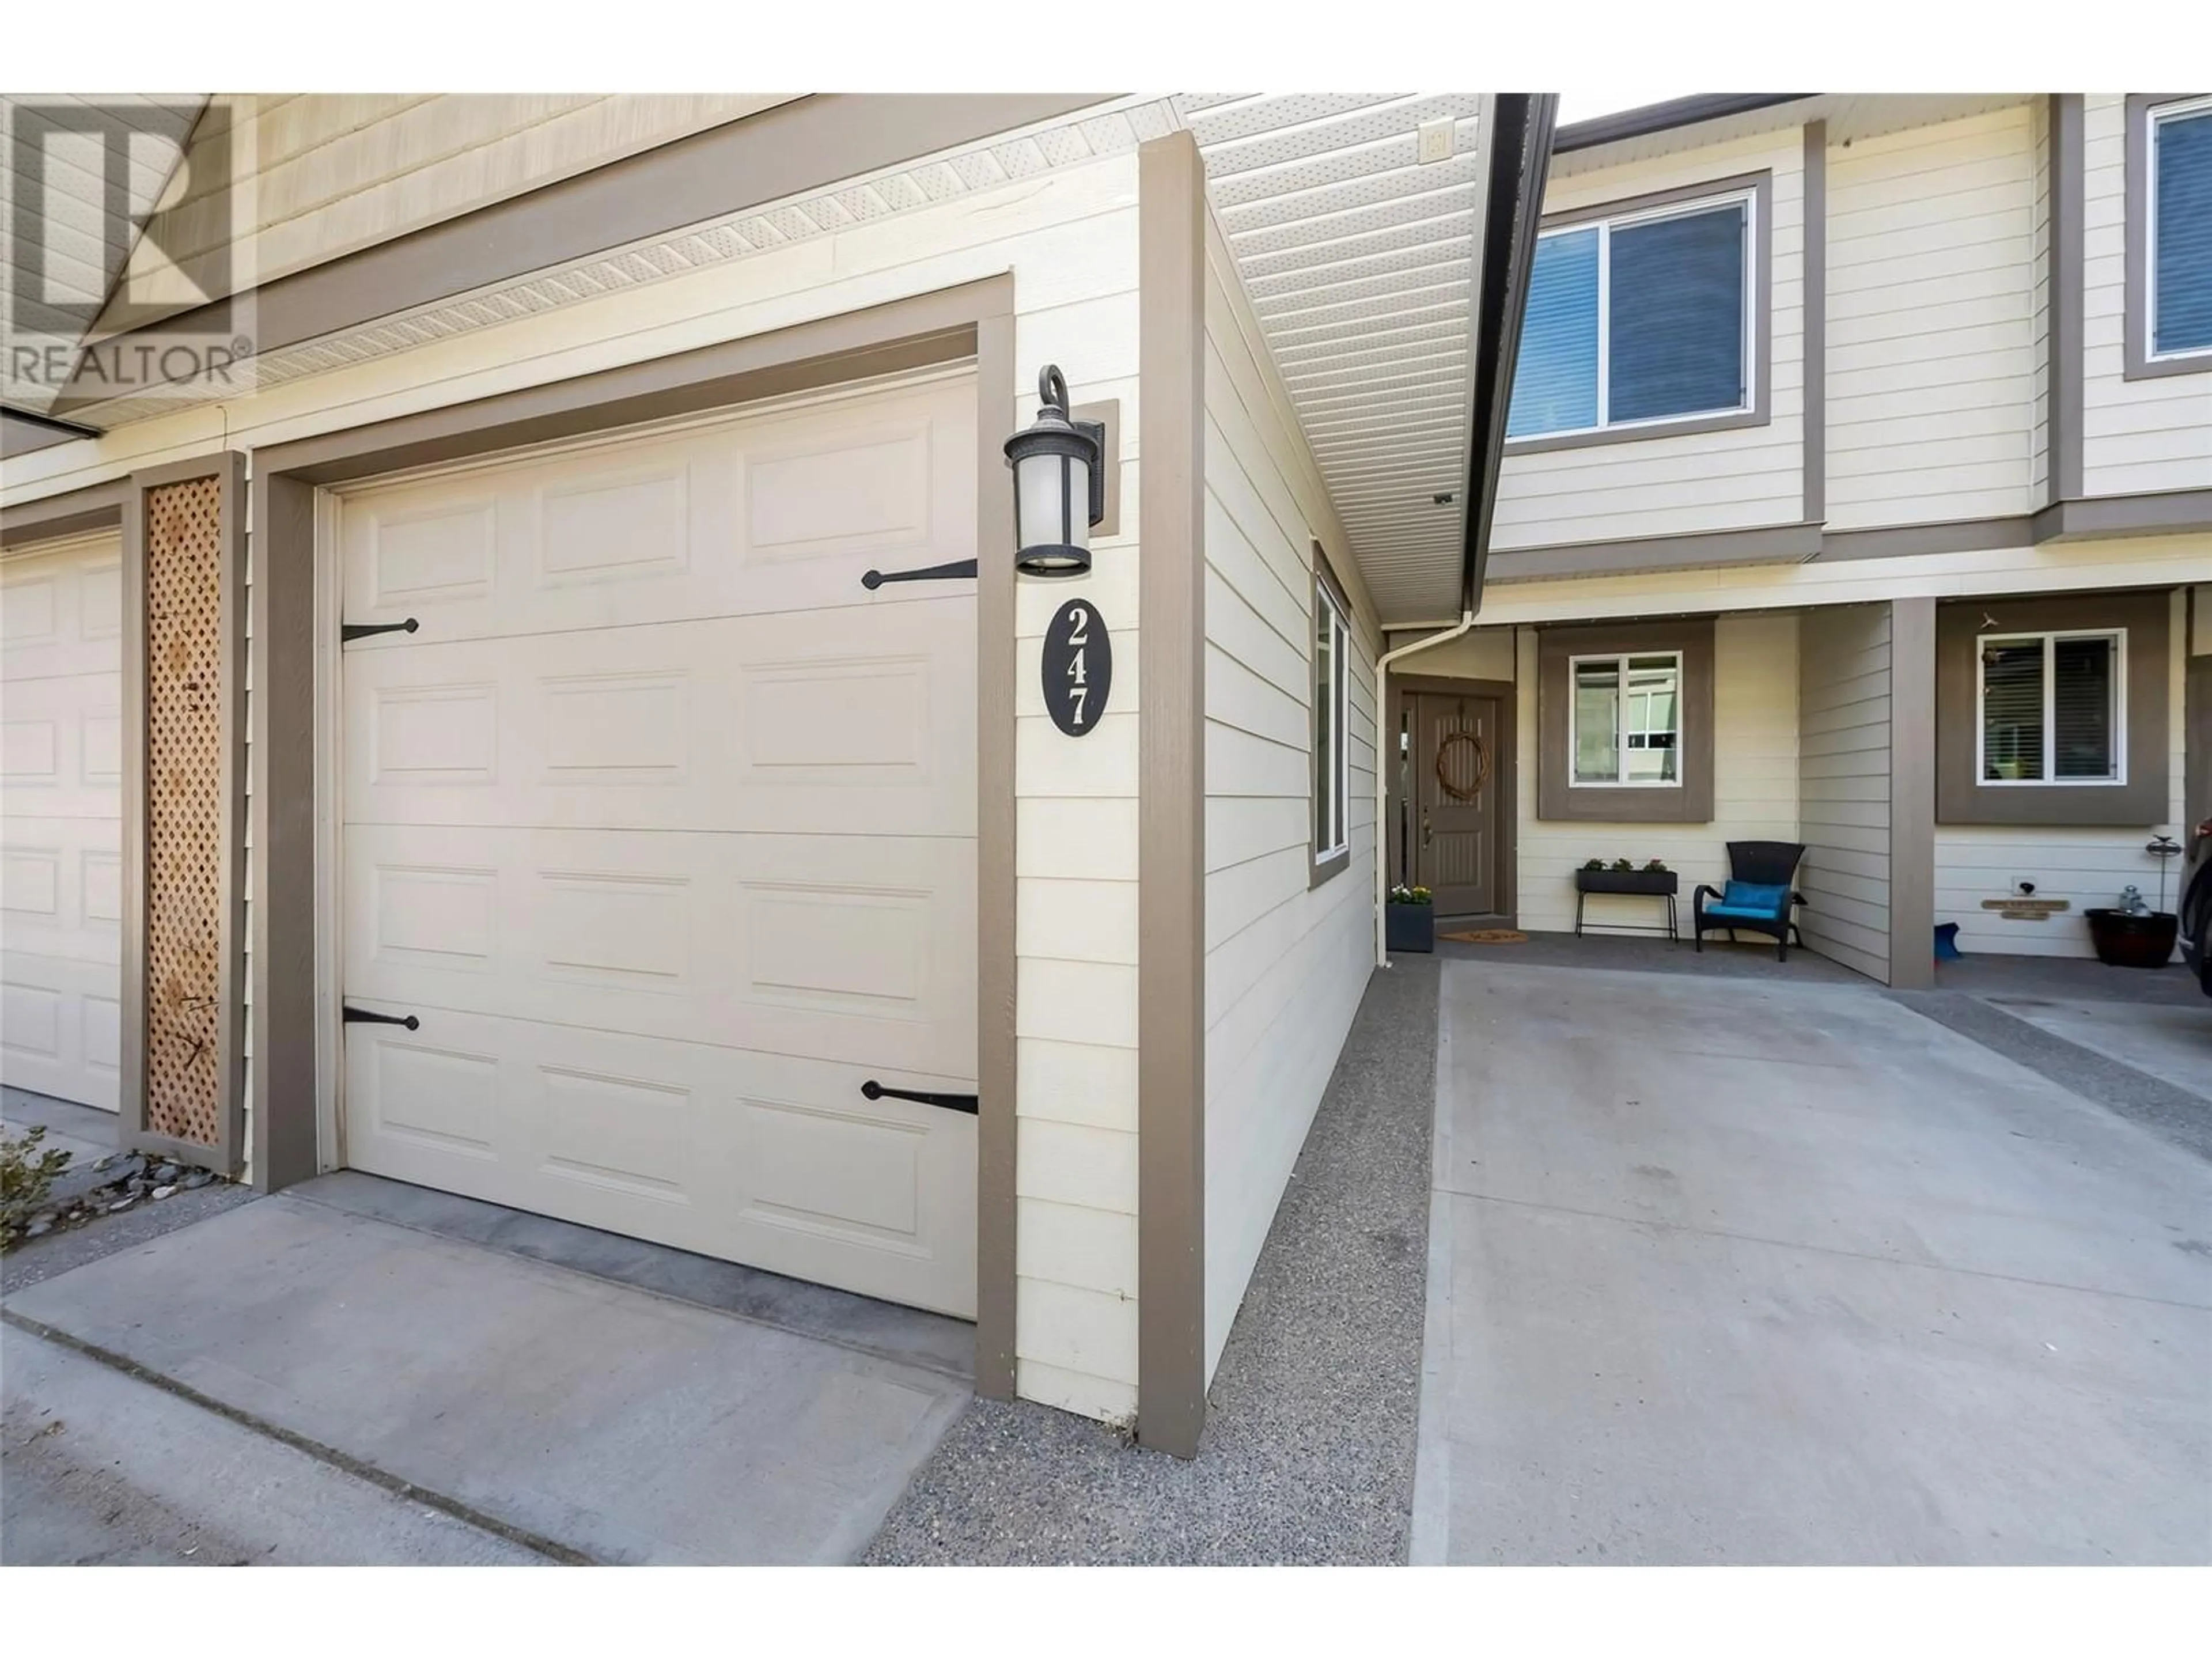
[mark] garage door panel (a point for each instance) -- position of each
(776, 1160)
(834, 723)
(858, 946)
(61, 775)
(60, 1027)
(664, 827)
(779, 512)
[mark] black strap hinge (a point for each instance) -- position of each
(354, 1015)
(875, 578)
(968, 1103)
(349, 632)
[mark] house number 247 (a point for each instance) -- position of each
(1078, 667)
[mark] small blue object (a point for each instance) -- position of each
(1753, 898)
(1947, 941)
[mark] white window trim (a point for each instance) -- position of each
(1339, 784)
(1746, 396)
(1620, 659)
(2182, 111)
(2118, 636)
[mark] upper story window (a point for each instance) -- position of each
(2180, 216)
(2051, 708)
(1640, 319)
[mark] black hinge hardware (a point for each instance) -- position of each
(935, 573)
(351, 631)
(874, 1090)
(364, 1017)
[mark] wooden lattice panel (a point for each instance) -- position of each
(183, 806)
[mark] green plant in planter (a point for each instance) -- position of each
(1402, 894)
(1656, 866)
(1594, 864)
(1623, 865)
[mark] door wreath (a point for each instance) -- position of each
(1453, 767)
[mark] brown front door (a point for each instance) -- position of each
(1453, 762)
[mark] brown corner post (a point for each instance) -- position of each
(1912, 794)
(1171, 782)
(184, 776)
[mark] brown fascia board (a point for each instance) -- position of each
(1519, 161)
(782, 151)
(1648, 118)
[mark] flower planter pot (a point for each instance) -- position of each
(1659, 882)
(1410, 926)
(2131, 941)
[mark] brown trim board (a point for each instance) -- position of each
(1813, 451)
(228, 468)
(815, 140)
(1759, 297)
(1319, 869)
(1506, 771)
(1557, 797)
(2064, 426)
(1912, 794)
(1961, 797)
(97, 506)
(1171, 807)
(974, 321)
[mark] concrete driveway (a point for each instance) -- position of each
(1738, 1271)
(391, 1375)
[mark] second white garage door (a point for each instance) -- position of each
(663, 827)
(61, 819)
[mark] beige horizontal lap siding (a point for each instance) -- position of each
(2153, 434)
(1708, 481)
(1843, 790)
(1975, 863)
(333, 174)
(1755, 785)
(1070, 242)
(2040, 251)
(1932, 335)
(1286, 962)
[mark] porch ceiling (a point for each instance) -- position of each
(1360, 261)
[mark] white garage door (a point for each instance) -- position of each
(61, 821)
(664, 828)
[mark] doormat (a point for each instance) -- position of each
(1487, 936)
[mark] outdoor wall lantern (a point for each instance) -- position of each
(1059, 484)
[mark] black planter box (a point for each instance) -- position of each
(2131, 941)
(1410, 926)
(1663, 882)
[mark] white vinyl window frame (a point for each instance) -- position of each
(1332, 777)
(1747, 394)
(2119, 637)
(2160, 114)
(1620, 660)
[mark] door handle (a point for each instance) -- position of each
(872, 1090)
(1427, 830)
(352, 1016)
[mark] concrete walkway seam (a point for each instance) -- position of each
(552, 1549)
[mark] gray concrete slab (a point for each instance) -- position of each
(621, 1425)
(1631, 952)
(907, 1335)
(1308, 1453)
(2170, 1041)
(101, 1470)
(1787, 1273)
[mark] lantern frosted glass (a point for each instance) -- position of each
(1051, 519)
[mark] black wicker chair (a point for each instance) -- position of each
(1760, 896)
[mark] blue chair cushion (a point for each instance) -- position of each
(1752, 900)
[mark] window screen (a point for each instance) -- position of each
(2181, 231)
(1635, 318)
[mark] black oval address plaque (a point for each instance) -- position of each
(1078, 667)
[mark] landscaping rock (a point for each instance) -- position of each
(195, 1179)
(166, 1173)
(163, 1192)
